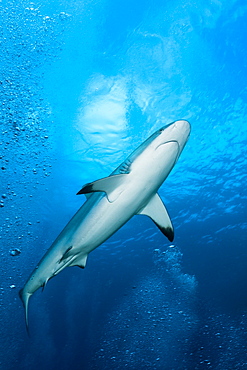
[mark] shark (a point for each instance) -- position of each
(131, 189)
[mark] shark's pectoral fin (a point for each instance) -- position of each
(111, 185)
(156, 210)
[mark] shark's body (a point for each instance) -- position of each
(131, 189)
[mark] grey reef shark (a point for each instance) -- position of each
(111, 201)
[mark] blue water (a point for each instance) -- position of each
(83, 83)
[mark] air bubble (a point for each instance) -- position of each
(63, 16)
(15, 252)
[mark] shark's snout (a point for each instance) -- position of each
(183, 126)
(180, 132)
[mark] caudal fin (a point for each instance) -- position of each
(25, 299)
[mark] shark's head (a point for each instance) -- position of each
(175, 135)
(177, 131)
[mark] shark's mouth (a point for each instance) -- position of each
(167, 142)
(178, 148)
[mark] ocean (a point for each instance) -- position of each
(83, 83)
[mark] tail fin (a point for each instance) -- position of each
(25, 299)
